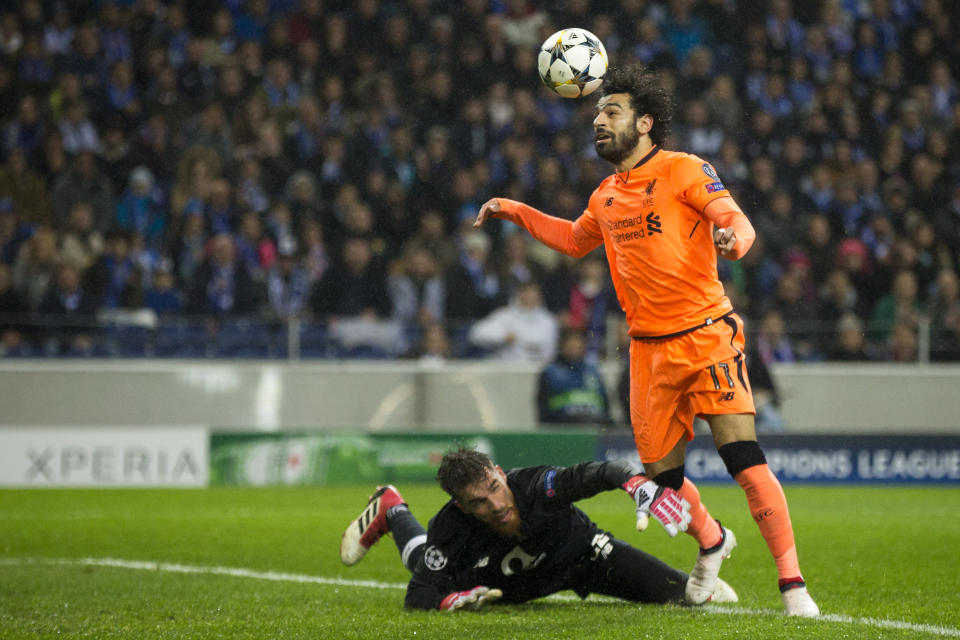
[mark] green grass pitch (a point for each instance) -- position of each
(881, 562)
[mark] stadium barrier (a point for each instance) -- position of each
(330, 459)
(195, 457)
(383, 396)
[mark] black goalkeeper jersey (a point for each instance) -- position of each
(556, 538)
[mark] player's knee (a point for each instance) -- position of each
(672, 478)
(741, 455)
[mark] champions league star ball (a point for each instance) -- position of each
(572, 62)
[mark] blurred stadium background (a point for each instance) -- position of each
(256, 216)
(236, 243)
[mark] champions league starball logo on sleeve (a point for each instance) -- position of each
(716, 185)
(434, 558)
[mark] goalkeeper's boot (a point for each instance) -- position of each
(796, 600)
(370, 525)
(703, 577)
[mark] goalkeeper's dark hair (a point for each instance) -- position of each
(461, 468)
(647, 95)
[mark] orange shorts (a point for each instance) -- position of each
(673, 380)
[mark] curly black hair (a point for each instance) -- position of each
(647, 95)
(461, 468)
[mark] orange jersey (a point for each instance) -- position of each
(658, 240)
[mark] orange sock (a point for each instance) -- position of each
(702, 527)
(768, 506)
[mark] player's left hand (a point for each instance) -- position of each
(725, 240)
(490, 209)
(663, 503)
(471, 599)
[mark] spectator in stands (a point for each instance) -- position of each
(434, 347)
(80, 244)
(69, 310)
(473, 288)
(142, 207)
(288, 282)
(902, 344)
(162, 296)
(255, 247)
(899, 307)
(523, 330)
(417, 289)
(591, 298)
(114, 280)
(77, 130)
(84, 181)
(571, 390)
(355, 286)
(774, 344)
(13, 232)
(836, 298)
(25, 188)
(766, 396)
(26, 131)
(849, 340)
(35, 266)
(196, 172)
(13, 308)
(945, 317)
(222, 284)
(516, 266)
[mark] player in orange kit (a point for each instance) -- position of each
(662, 218)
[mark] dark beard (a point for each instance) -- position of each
(618, 148)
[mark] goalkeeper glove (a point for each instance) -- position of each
(665, 504)
(471, 599)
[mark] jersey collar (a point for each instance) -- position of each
(626, 175)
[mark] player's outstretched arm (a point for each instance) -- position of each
(471, 599)
(575, 239)
(663, 503)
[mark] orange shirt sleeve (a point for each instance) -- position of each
(577, 238)
(699, 186)
(723, 213)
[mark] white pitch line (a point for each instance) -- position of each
(168, 567)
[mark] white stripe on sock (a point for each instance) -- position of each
(411, 546)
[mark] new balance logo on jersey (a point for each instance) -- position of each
(653, 223)
(608, 202)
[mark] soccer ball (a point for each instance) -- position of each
(572, 62)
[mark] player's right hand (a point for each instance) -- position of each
(663, 503)
(490, 209)
(472, 599)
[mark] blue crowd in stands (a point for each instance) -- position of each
(179, 178)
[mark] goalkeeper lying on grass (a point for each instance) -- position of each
(516, 536)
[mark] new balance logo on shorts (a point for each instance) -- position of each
(726, 397)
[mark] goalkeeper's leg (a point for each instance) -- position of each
(622, 571)
(386, 512)
(408, 534)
